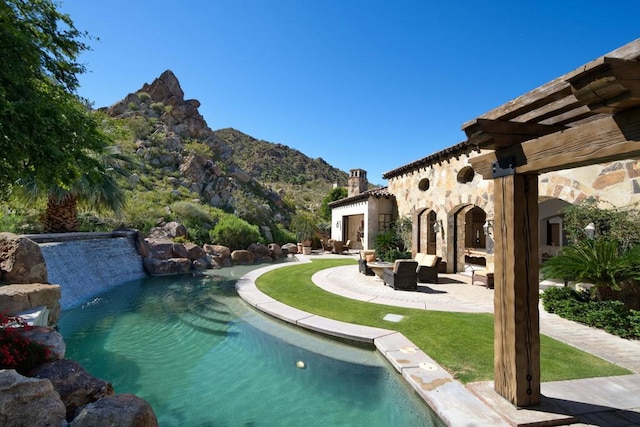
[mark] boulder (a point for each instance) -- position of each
(276, 250)
(119, 410)
(21, 260)
(165, 249)
(217, 250)
(194, 251)
(166, 267)
(141, 245)
(202, 263)
(259, 250)
(28, 401)
(164, 87)
(15, 299)
(75, 386)
(49, 338)
(170, 230)
(291, 248)
(242, 257)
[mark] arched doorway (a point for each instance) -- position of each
(469, 240)
(552, 234)
(426, 234)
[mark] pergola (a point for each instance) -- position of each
(588, 116)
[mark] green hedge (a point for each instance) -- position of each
(578, 306)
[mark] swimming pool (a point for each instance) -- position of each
(202, 357)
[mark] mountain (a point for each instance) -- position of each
(260, 181)
(269, 162)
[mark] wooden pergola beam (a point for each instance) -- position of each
(497, 134)
(608, 139)
(611, 87)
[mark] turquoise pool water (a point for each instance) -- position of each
(201, 357)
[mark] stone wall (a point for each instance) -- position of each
(450, 187)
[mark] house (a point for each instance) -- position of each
(363, 213)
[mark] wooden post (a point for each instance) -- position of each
(516, 324)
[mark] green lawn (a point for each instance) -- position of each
(461, 342)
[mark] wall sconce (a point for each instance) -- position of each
(590, 230)
(438, 227)
(488, 228)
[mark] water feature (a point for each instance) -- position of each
(84, 268)
(202, 357)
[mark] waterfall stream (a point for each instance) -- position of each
(85, 268)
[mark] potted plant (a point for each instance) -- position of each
(304, 225)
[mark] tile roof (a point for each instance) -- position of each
(378, 193)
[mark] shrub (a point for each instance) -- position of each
(16, 351)
(577, 306)
(158, 107)
(198, 149)
(235, 233)
(282, 235)
(392, 243)
(144, 96)
(598, 261)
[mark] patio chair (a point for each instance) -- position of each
(483, 276)
(337, 247)
(404, 275)
(365, 257)
(428, 267)
(325, 246)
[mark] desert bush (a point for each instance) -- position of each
(281, 235)
(198, 149)
(158, 107)
(234, 233)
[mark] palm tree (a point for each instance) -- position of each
(597, 261)
(95, 188)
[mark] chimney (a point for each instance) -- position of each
(357, 182)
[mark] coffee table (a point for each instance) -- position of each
(378, 267)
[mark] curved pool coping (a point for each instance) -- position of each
(449, 399)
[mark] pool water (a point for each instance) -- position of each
(202, 357)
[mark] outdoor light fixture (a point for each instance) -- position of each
(590, 230)
(488, 228)
(437, 227)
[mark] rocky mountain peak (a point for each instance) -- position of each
(165, 88)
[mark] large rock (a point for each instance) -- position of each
(74, 385)
(164, 87)
(21, 260)
(194, 251)
(166, 267)
(15, 299)
(291, 248)
(217, 250)
(276, 250)
(49, 338)
(29, 401)
(259, 251)
(242, 257)
(170, 230)
(219, 256)
(122, 410)
(165, 249)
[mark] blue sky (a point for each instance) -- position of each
(367, 84)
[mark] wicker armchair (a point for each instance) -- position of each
(365, 257)
(404, 275)
(428, 267)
